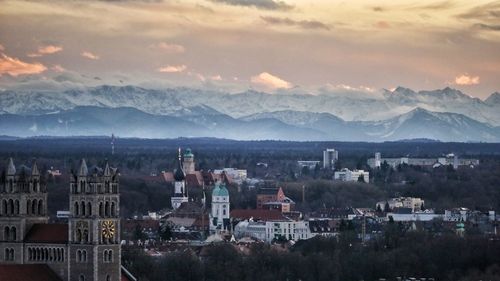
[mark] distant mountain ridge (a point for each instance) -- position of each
(305, 126)
(129, 111)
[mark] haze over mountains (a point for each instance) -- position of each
(446, 115)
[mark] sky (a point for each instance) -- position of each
(266, 45)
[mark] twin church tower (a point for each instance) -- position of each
(87, 248)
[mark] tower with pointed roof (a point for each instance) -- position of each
(180, 192)
(188, 162)
(94, 224)
(23, 203)
(219, 216)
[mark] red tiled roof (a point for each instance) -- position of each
(193, 181)
(27, 272)
(56, 233)
(168, 176)
(257, 214)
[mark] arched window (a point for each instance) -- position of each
(106, 209)
(110, 256)
(28, 207)
(40, 207)
(4, 209)
(108, 278)
(13, 233)
(33, 207)
(16, 207)
(11, 207)
(101, 209)
(6, 233)
(84, 255)
(89, 209)
(76, 209)
(79, 256)
(82, 209)
(113, 209)
(81, 278)
(78, 235)
(86, 236)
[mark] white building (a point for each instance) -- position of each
(413, 203)
(310, 164)
(268, 231)
(415, 216)
(330, 156)
(348, 175)
(219, 216)
(457, 214)
(237, 175)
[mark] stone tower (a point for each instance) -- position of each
(180, 193)
(23, 202)
(94, 224)
(188, 163)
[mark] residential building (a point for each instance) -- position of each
(450, 159)
(311, 165)
(348, 175)
(413, 203)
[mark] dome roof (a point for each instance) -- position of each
(188, 153)
(220, 190)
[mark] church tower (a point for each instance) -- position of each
(188, 163)
(23, 202)
(219, 217)
(180, 193)
(94, 224)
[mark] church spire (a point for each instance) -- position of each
(34, 169)
(83, 171)
(179, 174)
(11, 169)
(107, 170)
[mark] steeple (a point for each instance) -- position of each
(83, 171)
(11, 169)
(179, 174)
(34, 169)
(107, 170)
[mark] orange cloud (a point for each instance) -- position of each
(169, 48)
(57, 68)
(15, 67)
(465, 79)
(172, 68)
(270, 81)
(89, 55)
(46, 50)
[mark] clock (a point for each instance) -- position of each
(108, 229)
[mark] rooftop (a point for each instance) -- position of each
(48, 233)
(28, 272)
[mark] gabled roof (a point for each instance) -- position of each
(27, 272)
(54, 233)
(268, 191)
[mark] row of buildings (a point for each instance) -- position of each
(448, 160)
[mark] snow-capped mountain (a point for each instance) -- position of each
(445, 114)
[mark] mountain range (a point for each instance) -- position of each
(129, 111)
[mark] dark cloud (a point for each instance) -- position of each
(259, 4)
(487, 26)
(490, 12)
(378, 9)
(306, 24)
(438, 6)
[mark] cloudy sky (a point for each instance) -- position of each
(266, 45)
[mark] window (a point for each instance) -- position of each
(81, 277)
(9, 254)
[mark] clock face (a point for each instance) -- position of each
(108, 229)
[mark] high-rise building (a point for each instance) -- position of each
(330, 156)
(378, 159)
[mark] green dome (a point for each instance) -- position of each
(188, 153)
(220, 190)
